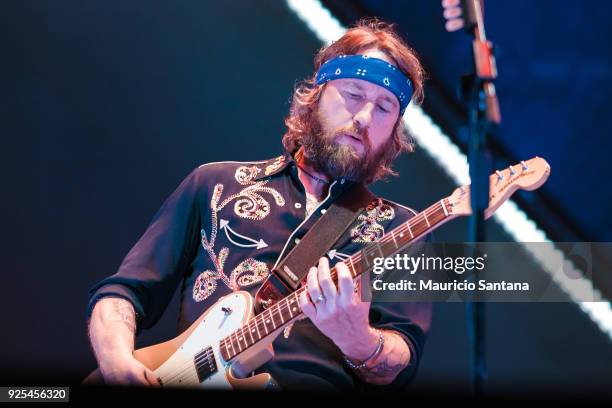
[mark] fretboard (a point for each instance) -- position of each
(288, 309)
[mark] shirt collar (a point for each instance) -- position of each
(275, 165)
(278, 164)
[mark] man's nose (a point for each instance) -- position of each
(363, 118)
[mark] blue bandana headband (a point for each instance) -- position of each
(369, 69)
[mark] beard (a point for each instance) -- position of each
(325, 151)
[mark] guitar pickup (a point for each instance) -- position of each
(205, 363)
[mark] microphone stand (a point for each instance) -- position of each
(478, 92)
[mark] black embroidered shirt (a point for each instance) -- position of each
(223, 229)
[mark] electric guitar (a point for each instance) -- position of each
(229, 341)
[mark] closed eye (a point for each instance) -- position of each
(383, 109)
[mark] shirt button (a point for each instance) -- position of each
(342, 180)
(297, 241)
(323, 211)
(297, 205)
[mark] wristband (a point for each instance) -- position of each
(381, 342)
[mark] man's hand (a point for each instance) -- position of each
(126, 370)
(339, 312)
(344, 318)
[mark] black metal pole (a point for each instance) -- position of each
(479, 192)
(479, 93)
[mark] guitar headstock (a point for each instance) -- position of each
(526, 175)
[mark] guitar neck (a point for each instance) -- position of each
(288, 309)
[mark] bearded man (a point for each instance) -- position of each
(228, 224)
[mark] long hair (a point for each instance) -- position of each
(370, 33)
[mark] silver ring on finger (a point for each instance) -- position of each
(320, 299)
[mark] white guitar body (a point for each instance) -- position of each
(175, 362)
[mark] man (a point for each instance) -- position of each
(228, 224)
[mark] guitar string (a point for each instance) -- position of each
(281, 307)
(179, 375)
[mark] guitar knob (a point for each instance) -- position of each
(227, 310)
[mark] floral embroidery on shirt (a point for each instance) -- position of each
(246, 174)
(368, 228)
(204, 286)
(249, 203)
(249, 272)
(206, 282)
(278, 163)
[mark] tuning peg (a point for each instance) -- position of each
(500, 175)
(525, 167)
(512, 171)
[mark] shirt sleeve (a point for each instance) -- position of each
(153, 268)
(411, 320)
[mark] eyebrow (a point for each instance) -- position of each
(385, 97)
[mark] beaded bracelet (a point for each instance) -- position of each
(381, 342)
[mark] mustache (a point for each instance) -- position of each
(360, 133)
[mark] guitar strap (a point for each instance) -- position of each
(291, 271)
